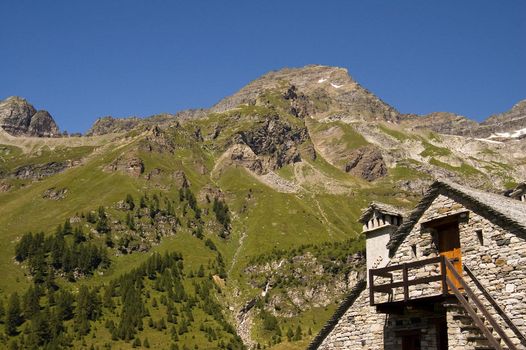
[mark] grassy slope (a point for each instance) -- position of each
(25, 210)
(265, 221)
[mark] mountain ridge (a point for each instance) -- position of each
(259, 198)
(319, 82)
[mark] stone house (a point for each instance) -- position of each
(449, 275)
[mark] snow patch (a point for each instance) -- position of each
(490, 141)
(322, 80)
(511, 135)
(336, 86)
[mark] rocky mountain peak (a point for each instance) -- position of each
(330, 90)
(19, 118)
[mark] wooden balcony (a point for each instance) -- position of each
(419, 283)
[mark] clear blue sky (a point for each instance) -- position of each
(85, 59)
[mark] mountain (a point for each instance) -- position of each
(251, 205)
(20, 118)
(322, 91)
(503, 126)
(511, 124)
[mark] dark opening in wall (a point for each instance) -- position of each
(480, 237)
(413, 248)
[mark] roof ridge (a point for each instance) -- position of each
(505, 213)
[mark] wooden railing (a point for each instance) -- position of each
(471, 311)
(405, 283)
(455, 285)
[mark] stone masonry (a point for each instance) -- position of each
(492, 249)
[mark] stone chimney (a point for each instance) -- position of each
(379, 222)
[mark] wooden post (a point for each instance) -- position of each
(445, 289)
(406, 285)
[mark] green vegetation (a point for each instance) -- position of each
(49, 316)
(349, 137)
(463, 169)
(12, 157)
(155, 260)
(399, 135)
(433, 151)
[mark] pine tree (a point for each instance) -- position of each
(67, 229)
(136, 342)
(40, 329)
(108, 297)
(65, 304)
(130, 202)
(130, 221)
(78, 236)
(2, 312)
(91, 218)
(201, 271)
(146, 343)
(298, 334)
(13, 315)
(83, 311)
(290, 334)
(31, 302)
(102, 221)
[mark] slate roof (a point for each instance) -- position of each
(494, 207)
(384, 208)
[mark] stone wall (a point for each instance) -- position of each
(361, 327)
(496, 256)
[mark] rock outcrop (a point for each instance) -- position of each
(128, 164)
(158, 141)
(180, 179)
(55, 194)
(443, 123)
(274, 142)
(38, 171)
(19, 118)
(107, 125)
(366, 162)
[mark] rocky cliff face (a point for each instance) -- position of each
(19, 118)
(442, 122)
(366, 162)
(510, 122)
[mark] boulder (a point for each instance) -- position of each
(55, 194)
